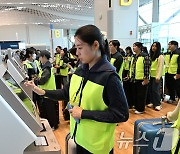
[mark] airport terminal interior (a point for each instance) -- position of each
(90, 76)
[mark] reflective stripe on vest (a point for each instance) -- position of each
(50, 84)
(120, 70)
(139, 70)
(96, 137)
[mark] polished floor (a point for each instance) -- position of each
(124, 131)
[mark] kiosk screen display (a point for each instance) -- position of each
(20, 93)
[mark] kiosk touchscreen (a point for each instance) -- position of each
(19, 75)
(19, 100)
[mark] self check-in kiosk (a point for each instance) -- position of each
(18, 73)
(21, 129)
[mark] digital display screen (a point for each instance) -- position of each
(9, 44)
(20, 93)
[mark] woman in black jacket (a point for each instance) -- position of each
(95, 94)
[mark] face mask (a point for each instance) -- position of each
(34, 56)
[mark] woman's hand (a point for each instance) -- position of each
(76, 112)
(145, 82)
(36, 89)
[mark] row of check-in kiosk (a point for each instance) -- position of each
(21, 129)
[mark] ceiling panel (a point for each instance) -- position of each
(63, 13)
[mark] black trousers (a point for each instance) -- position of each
(127, 85)
(58, 81)
(49, 112)
(139, 93)
(173, 86)
(153, 95)
(81, 150)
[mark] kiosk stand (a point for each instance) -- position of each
(15, 134)
(21, 129)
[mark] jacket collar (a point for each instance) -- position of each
(101, 66)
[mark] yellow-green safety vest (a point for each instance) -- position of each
(96, 137)
(28, 65)
(154, 65)
(50, 84)
(71, 56)
(139, 70)
(171, 64)
(57, 59)
(127, 61)
(63, 71)
(175, 137)
(120, 70)
(38, 64)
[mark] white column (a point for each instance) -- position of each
(156, 27)
(119, 18)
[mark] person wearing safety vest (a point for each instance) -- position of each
(74, 62)
(175, 116)
(139, 74)
(127, 85)
(156, 72)
(116, 57)
(46, 81)
(56, 67)
(95, 94)
(172, 69)
(31, 65)
(63, 66)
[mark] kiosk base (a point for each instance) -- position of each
(46, 143)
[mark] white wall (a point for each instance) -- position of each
(39, 34)
(100, 14)
(31, 34)
(118, 21)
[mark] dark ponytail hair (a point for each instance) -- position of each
(116, 43)
(89, 34)
(139, 45)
